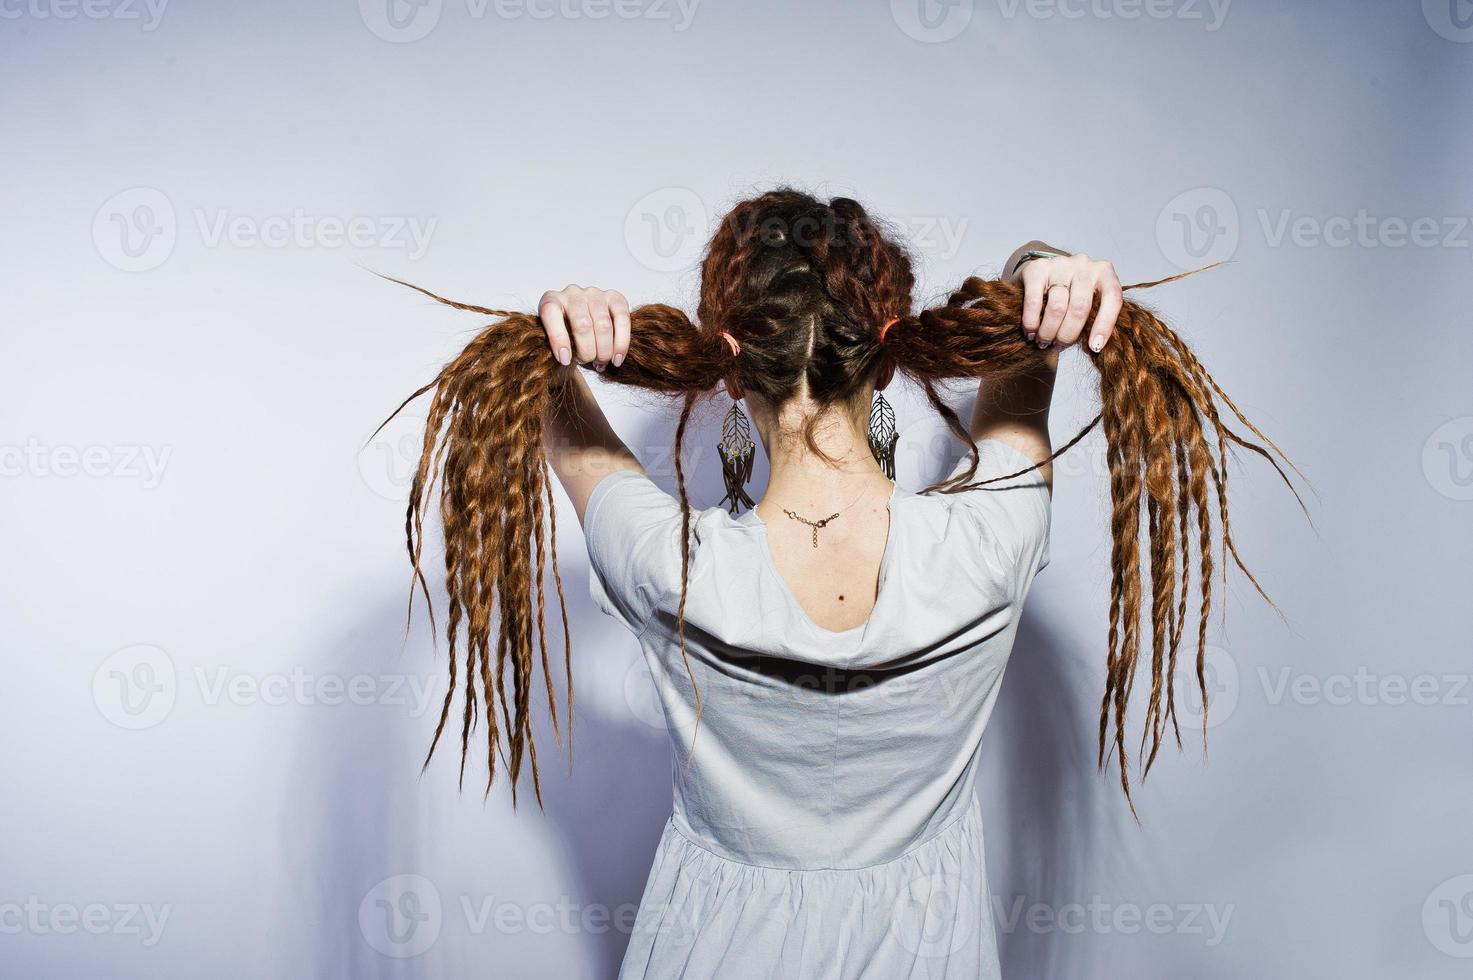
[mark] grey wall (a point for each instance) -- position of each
(214, 721)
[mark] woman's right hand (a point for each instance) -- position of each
(586, 322)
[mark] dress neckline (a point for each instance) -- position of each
(754, 520)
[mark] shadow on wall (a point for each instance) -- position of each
(1054, 823)
(360, 814)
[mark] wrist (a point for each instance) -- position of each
(1026, 253)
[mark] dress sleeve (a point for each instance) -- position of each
(1012, 516)
(633, 533)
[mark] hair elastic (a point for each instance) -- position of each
(736, 348)
(888, 324)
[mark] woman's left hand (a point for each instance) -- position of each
(1059, 292)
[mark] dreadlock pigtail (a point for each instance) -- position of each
(1166, 446)
(483, 446)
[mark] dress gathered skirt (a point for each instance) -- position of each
(825, 820)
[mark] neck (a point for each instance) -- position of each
(803, 481)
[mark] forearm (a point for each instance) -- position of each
(580, 443)
(1015, 410)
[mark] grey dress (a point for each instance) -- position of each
(825, 824)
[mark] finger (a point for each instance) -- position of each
(1055, 306)
(619, 306)
(1111, 299)
(1081, 298)
(1035, 280)
(550, 312)
(585, 346)
(603, 329)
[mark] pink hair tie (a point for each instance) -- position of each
(731, 341)
(886, 328)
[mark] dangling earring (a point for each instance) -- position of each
(737, 451)
(882, 434)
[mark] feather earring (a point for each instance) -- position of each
(737, 452)
(882, 434)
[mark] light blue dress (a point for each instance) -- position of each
(825, 825)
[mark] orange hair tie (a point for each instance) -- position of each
(886, 328)
(736, 348)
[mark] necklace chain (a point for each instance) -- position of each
(814, 525)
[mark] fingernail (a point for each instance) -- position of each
(1096, 343)
(564, 356)
(1043, 345)
(599, 367)
(1031, 337)
(618, 359)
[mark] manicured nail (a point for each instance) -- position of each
(564, 356)
(1096, 344)
(599, 367)
(618, 359)
(1043, 345)
(1031, 337)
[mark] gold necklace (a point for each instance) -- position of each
(815, 525)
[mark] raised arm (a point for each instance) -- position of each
(1059, 290)
(591, 325)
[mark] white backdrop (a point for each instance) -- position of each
(214, 720)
